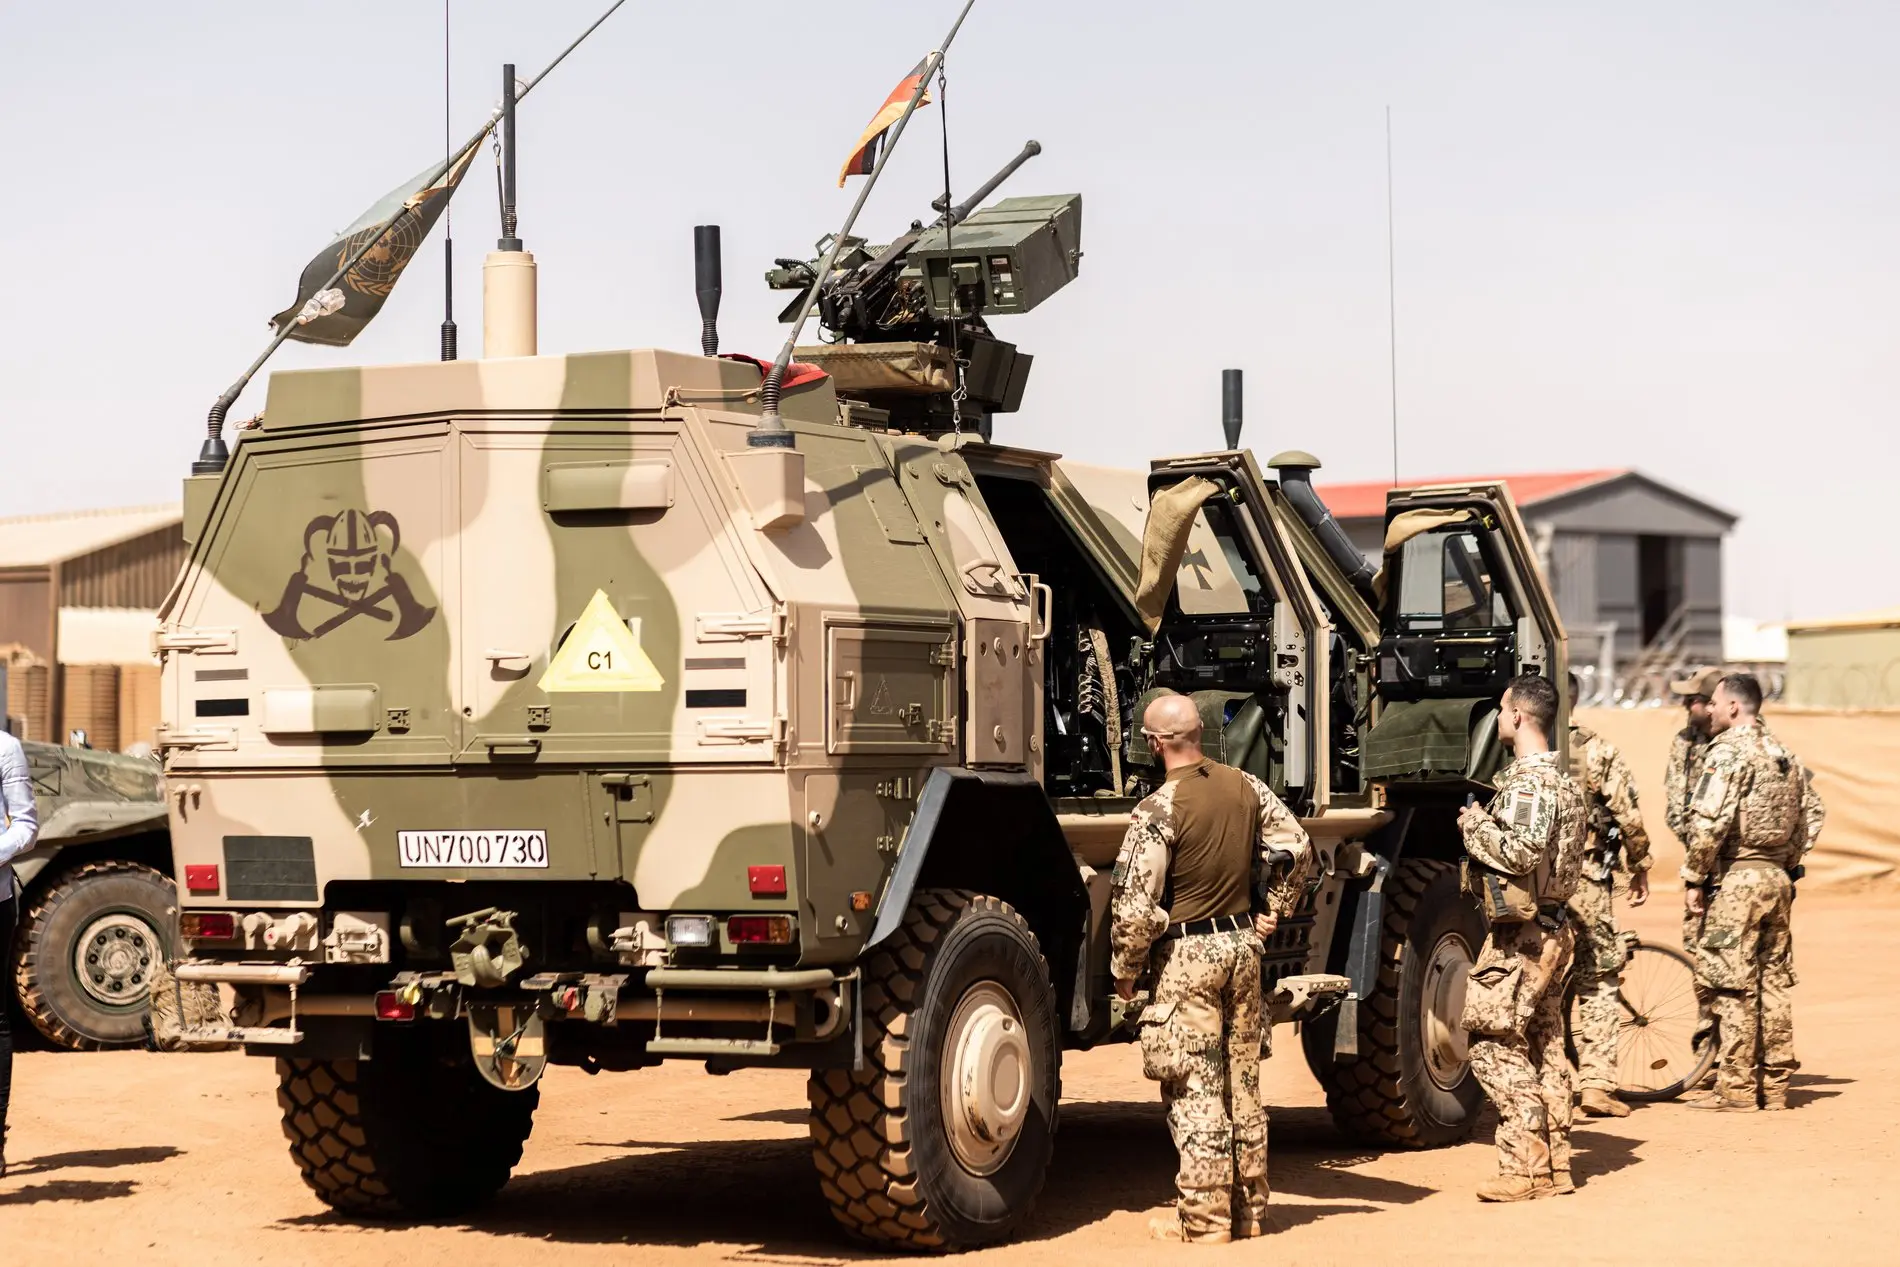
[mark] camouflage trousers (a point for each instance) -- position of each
(1514, 1010)
(1704, 997)
(1203, 1039)
(1745, 958)
(1599, 975)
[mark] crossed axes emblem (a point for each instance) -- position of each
(351, 551)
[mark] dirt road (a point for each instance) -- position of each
(127, 1157)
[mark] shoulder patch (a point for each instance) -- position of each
(1710, 790)
(1521, 811)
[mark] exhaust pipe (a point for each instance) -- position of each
(1295, 470)
(1230, 407)
(706, 282)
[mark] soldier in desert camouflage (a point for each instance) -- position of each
(1527, 847)
(1609, 793)
(1753, 815)
(1679, 781)
(1197, 886)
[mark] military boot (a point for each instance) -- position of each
(1170, 1229)
(1715, 1102)
(1511, 1188)
(1596, 1103)
(1560, 1185)
(1774, 1103)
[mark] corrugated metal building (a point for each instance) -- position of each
(1629, 557)
(78, 594)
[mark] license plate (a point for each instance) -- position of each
(487, 849)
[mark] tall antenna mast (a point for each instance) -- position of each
(448, 214)
(1391, 295)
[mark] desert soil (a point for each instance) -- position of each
(129, 1157)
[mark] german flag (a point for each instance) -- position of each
(864, 157)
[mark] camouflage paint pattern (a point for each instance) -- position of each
(1753, 801)
(1203, 1039)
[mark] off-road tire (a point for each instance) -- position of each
(404, 1135)
(47, 940)
(885, 1163)
(1386, 1095)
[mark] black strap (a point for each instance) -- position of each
(1203, 927)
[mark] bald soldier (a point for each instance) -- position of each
(1211, 863)
(1526, 853)
(1614, 834)
(1753, 816)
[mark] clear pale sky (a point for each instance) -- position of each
(1659, 235)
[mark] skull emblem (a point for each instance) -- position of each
(355, 555)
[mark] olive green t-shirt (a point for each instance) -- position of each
(1215, 815)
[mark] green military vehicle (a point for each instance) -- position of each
(98, 910)
(523, 711)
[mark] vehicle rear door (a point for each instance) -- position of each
(1463, 609)
(1237, 624)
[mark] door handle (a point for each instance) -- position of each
(512, 745)
(1042, 606)
(499, 657)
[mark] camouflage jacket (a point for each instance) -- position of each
(1685, 767)
(1609, 790)
(1536, 821)
(1141, 873)
(1754, 801)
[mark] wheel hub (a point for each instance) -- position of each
(114, 957)
(1442, 1004)
(986, 1078)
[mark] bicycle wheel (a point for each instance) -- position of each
(1656, 1053)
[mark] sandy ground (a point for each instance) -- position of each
(130, 1157)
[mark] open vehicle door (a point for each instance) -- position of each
(1235, 623)
(1463, 609)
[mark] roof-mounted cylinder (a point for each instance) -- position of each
(708, 285)
(1230, 407)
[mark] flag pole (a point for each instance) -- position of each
(769, 432)
(213, 456)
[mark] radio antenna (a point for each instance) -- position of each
(448, 212)
(1391, 295)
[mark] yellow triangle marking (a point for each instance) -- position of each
(602, 654)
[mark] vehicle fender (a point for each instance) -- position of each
(1363, 927)
(992, 831)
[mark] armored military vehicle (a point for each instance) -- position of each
(519, 711)
(98, 909)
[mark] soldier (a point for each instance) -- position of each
(1679, 781)
(1752, 818)
(1197, 886)
(19, 828)
(1613, 825)
(1526, 855)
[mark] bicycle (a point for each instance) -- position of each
(1657, 1055)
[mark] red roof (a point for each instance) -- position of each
(1367, 500)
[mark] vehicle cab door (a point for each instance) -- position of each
(1463, 609)
(1235, 623)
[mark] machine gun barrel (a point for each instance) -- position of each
(988, 187)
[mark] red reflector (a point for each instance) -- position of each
(769, 930)
(391, 1006)
(207, 926)
(766, 881)
(203, 879)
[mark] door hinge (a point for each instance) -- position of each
(738, 626)
(941, 730)
(944, 655)
(203, 641)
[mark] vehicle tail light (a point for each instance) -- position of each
(207, 926)
(759, 930)
(391, 1006)
(202, 879)
(689, 930)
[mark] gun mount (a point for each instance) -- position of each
(900, 319)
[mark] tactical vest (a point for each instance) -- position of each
(1510, 899)
(1769, 814)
